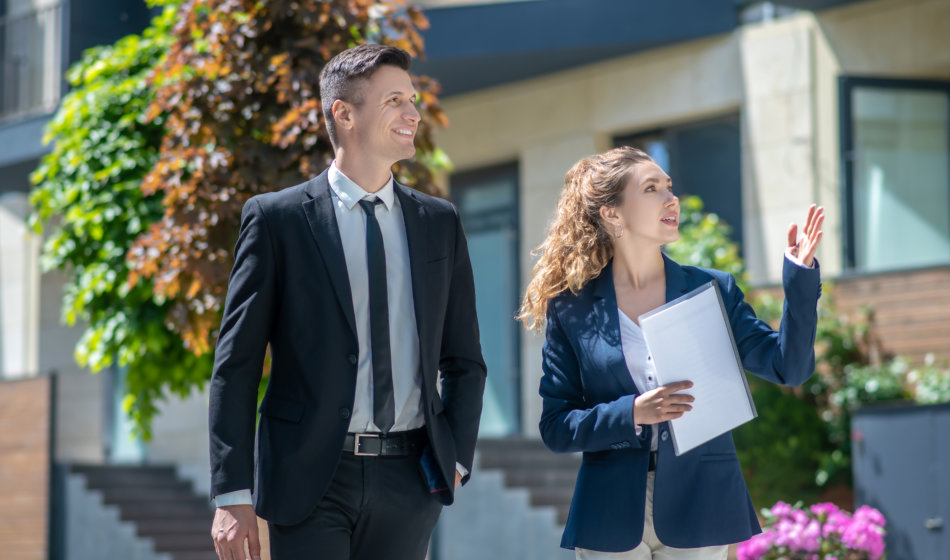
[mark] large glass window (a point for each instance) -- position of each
(703, 159)
(896, 161)
(488, 203)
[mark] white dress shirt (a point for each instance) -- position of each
(403, 335)
(639, 362)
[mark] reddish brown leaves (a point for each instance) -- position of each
(240, 98)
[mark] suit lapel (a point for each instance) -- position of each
(676, 282)
(605, 307)
(417, 232)
(326, 234)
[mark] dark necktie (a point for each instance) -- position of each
(384, 405)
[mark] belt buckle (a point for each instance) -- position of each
(356, 444)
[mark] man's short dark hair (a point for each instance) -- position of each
(343, 75)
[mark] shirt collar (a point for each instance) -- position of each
(350, 193)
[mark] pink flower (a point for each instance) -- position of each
(756, 547)
(781, 509)
(870, 515)
(825, 509)
(801, 533)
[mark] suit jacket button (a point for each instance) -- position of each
(664, 435)
(344, 413)
(352, 358)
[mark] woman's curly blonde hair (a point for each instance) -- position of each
(577, 246)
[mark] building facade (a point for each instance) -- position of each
(760, 108)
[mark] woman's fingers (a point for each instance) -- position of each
(676, 386)
(792, 236)
(810, 219)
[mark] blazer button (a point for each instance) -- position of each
(344, 413)
(664, 435)
(352, 358)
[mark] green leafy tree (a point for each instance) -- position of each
(88, 196)
(162, 139)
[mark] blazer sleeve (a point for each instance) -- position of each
(460, 362)
(569, 423)
(786, 356)
(239, 354)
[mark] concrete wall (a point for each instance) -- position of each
(181, 438)
(19, 289)
(780, 76)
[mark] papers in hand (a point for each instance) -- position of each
(690, 339)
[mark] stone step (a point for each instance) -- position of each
(161, 506)
(185, 543)
(141, 511)
(151, 495)
(157, 528)
(530, 478)
(108, 476)
(196, 555)
(528, 464)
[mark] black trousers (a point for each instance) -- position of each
(377, 508)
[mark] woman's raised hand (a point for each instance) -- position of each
(804, 248)
(662, 404)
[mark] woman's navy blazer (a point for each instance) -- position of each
(700, 497)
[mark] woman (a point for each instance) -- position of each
(601, 267)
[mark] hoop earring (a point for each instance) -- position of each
(618, 231)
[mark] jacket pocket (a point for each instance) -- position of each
(718, 457)
(282, 409)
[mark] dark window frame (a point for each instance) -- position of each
(666, 133)
(846, 154)
(472, 178)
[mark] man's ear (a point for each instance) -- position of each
(342, 114)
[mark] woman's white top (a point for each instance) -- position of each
(638, 359)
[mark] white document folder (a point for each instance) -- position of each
(690, 339)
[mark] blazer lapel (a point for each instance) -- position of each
(417, 232)
(326, 234)
(605, 307)
(676, 283)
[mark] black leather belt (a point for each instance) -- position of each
(410, 442)
(652, 466)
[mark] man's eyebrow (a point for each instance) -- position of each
(400, 92)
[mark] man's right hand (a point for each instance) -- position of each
(232, 526)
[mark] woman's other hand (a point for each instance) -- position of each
(804, 248)
(662, 404)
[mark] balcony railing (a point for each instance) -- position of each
(31, 55)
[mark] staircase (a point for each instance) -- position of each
(161, 506)
(526, 463)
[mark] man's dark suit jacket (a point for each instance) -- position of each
(700, 498)
(289, 289)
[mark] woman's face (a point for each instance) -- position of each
(649, 211)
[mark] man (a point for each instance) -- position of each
(363, 289)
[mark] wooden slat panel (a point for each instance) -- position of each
(911, 309)
(24, 467)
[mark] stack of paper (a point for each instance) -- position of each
(690, 339)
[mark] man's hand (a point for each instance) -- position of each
(231, 527)
(458, 478)
(662, 404)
